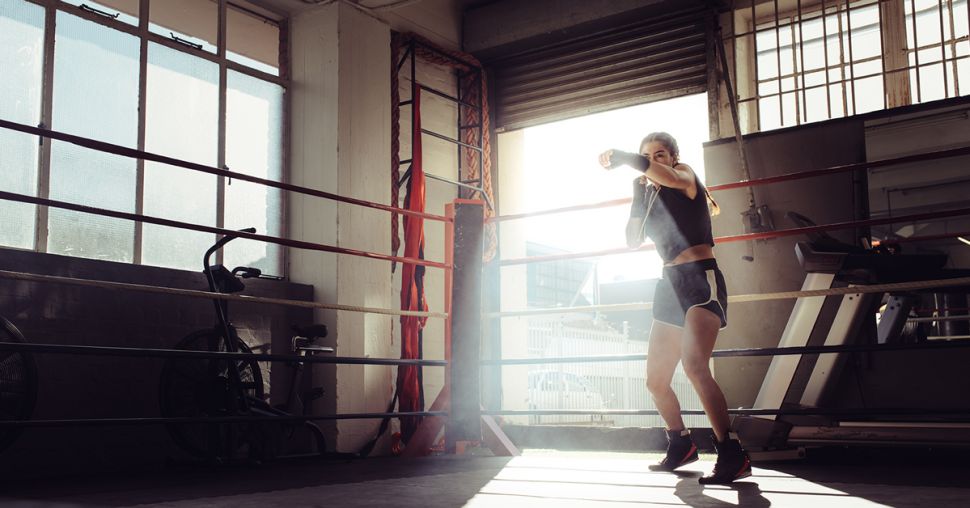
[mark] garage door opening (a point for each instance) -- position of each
(554, 166)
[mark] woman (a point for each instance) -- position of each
(690, 303)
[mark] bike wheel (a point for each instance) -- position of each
(18, 384)
(200, 388)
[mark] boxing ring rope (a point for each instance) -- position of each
(162, 159)
(448, 266)
(736, 352)
(781, 295)
(938, 154)
(11, 196)
(607, 308)
(132, 153)
(758, 236)
(740, 412)
(215, 420)
(194, 293)
(212, 355)
(508, 412)
(82, 422)
(755, 297)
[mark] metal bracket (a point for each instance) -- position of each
(185, 41)
(86, 7)
(757, 219)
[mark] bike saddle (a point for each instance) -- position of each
(311, 332)
(224, 280)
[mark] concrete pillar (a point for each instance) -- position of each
(341, 143)
(313, 163)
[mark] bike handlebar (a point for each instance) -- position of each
(220, 244)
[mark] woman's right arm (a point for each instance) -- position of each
(680, 177)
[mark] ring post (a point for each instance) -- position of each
(466, 325)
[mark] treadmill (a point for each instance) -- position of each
(803, 381)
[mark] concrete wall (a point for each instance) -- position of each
(774, 267)
(341, 143)
(362, 167)
(920, 187)
(920, 379)
(437, 20)
(313, 162)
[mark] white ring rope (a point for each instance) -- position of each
(781, 295)
(4, 274)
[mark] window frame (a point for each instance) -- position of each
(52, 7)
(746, 22)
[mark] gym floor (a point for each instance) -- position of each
(843, 477)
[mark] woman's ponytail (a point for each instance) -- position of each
(715, 208)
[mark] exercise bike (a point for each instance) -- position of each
(226, 388)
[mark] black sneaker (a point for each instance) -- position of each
(680, 451)
(732, 464)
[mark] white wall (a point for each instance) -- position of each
(313, 164)
(363, 160)
(512, 245)
(341, 143)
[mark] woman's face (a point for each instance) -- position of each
(658, 152)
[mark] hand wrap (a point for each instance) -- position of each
(634, 160)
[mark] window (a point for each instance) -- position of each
(21, 78)
(182, 121)
(804, 61)
(100, 105)
(254, 143)
(103, 54)
(195, 22)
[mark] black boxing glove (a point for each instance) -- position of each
(634, 160)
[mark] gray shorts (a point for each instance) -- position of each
(688, 285)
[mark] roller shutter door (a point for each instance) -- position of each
(643, 58)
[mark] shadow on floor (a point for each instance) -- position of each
(915, 466)
(181, 484)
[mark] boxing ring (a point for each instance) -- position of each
(457, 213)
(459, 408)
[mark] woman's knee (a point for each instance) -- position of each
(657, 385)
(696, 368)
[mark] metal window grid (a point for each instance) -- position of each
(145, 36)
(839, 13)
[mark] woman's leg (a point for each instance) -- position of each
(663, 353)
(700, 333)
